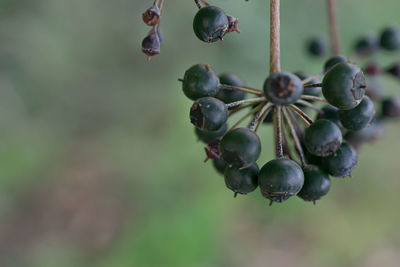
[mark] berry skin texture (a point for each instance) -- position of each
(210, 24)
(390, 38)
(280, 179)
(331, 113)
(391, 107)
(208, 114)
(240, 147)
(283, 88)
(209, 136)
(344, 86)
(359, 117)
(242, 181)
(341, 163)
(316, 47)
(316, 184)
(219, 165)
(229, 96)
(333, 61)
(323, 138)
(200, 81)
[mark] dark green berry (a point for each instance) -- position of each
(314, 91)
(209, 136)
(333, 61)
(344, 85)
(331, 113)
(322, 138)
(316, 46)
(371, 133)
(341, 163)
(229, 96)
(316, 184)
(200, 81)
(219, 165)
(391, 107)
(280, 179)
(366, 45)
(240, 147)
(390, 38)
(208, 114)
(242, 181)
(359, 117)
(210, 24)
(283, 88)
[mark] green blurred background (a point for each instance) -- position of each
(99, 165)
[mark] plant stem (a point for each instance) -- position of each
(260, 114)
(333, 26)
(249, 100)
(233, 111)
(310, 105)
(313, 85)
(275, 53)
(307, 120)
(256, 109)
(278, 131)
(241, 88)
(316, 98)
(295, 138)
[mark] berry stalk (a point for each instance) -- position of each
(295, 138)
(275, 32)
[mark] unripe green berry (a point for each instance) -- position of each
(210, 24)
(200, 81)
(341, 163)
(322, 138)
(208, 114)
(316, 184)
(359, 117)
(242, 181)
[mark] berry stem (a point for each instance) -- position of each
(242, 88)
(263, 118)
(316, 98)
(205, 2)
(295, 137)
(249, 100)
(333, 26)
(310, 105)
(278, 131)
(313, 85)
(309, 79)
(286, 148)
(257, 117)
(197, 3)
(233, 111)
(275, 32)
(256, 109)
(307, 120)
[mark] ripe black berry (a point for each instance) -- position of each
(240, 147)
(208, 114)
(331, 113)
(209, 136)
(316, 184)
(200, 81)
(283, 88)
(359, 117)
(210, 24)
(219, 165)
(391, 107)
(333, 61)
(242, 181)
(280, 179)
(344, 85)
(390, 38)
(323, 138)
(366, 45)
(226, 95)
(342, 162)
(316, 47)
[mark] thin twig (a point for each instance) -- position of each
(278, 131)
(313, 85)
(275, 53)
(205, 2)
(298, 128)
(307, 120)
(256, 109)
(242, 88)
(233, 111)
(315, 98)
(309, 79)
(286, 147)
(258, 116)
(249, 100)
(263, 118)
(333, 26)
(295, 138)
(310, 105)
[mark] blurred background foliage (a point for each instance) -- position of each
(99, 165)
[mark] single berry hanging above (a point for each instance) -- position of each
(307, 151)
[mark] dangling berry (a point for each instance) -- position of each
(394, 70)
(151, 44)
(341, 163)
(242, 181)
(359, 117)
(219, 165)
(366, 45)
(316, 184)
(371, 133)
(316, 47)
(208, 114)
(210, 24)
(314, 91)
(209, 136)
(390, 38)
(151, 16)
(280, 179)
(323, 138)
(229, 96)
(331, 113)
(331, 62)
(344, 86)
(283, 88)
(240, 147)
(200, 81)
(391, 107)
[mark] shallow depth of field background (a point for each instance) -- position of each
(99, 165)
